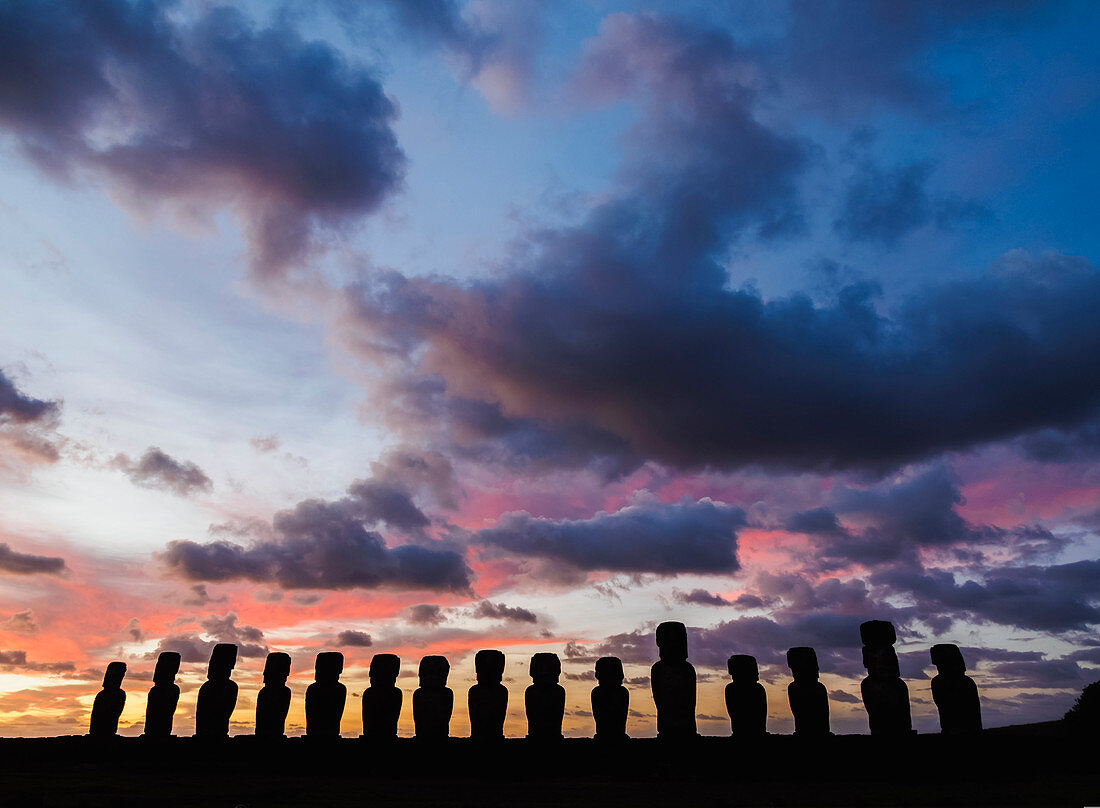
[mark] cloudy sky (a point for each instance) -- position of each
(425, 327)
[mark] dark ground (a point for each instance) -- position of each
(1033, 765)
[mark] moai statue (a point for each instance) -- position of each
(164, 695)
(109, 702)
(488, 699)
(673, 681)
(954, 692)
(273, 700)
(808, 697)
(746, 701)
(885, 695)
(544, 700)
(325, 698)
(218, 694)
(433, 701)
(610, 700)
(382, 700)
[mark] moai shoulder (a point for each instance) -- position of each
(164, 695)
(109, 702)
(610, 700)
(433, 701)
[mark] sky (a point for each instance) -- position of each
(426, 327)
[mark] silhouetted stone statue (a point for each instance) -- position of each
(433, 701)
(273, 700)
(885, 695)
(325, 698)
(164, 695)
(746, 701)
(382, 700)
(808, 697)
(954, 692)
(544, 700)
(610, 700)
(218, 694)
(673, 682)
(109, 702)
(488, 699)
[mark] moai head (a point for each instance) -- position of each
(112, 677)
(881, 661)
(489, 666)
(276, 668)
(434, 671)
(672, 642)
(384, 669)
(168, 665)
(222, 660)
(330, 664)
(948, 659)
(802, 661)
(877, 632)
(545, 669)
(609, 671)
(743, 669)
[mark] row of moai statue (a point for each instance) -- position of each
(673, 681)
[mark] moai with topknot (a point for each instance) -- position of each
(109, 702)
(273, 700)
(382, 700)
(610, 700)
(325, 698)
(672, 678)
(954, 692)
(164, 695)
(544, 700)
(218, 694)
(433, 701)
(746, 701)
(488, 699)
(885, 695)
(808, 697)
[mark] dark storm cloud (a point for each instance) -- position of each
(17, 407)
(498, 611)
(425, 614)
(354, 639)
(193, 648)
(17, 660)
(1081, 444)
(203, 112)
(702, 597)
(649, 537)
(390, 504)
(27, 564)
(158, 470)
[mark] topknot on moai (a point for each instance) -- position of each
(164, 695)
(488, 699)
(544, 700)
(808, 697)
(433, 701)
(885, 695)
(218, 694)
(746, 701)
(954, 692)
(610, 700)
(382, 700)
(109, 702)
(273, 700)
(673, 680)
(325, 698)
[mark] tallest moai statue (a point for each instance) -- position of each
(884, 693)
(672, 678)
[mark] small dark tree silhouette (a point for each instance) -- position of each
(1084, 715)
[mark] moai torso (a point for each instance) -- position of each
(273, 700)
(544, 700)
(433, 701)
(885, 695)
(746, 701)
(325, 698)
(673, 681)
(218, 694)
(610, 700)
(164, 695)
(109, 702)
(488, 699)
(808, 697)
(955, 694)
(382, 700)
